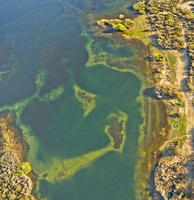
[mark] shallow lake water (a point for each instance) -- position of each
(53, 49)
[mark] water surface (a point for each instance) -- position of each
(52, 37)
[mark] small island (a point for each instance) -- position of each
(115, 129)
(87, 99)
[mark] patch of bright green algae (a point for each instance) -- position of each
(53, 95)
(87, 99)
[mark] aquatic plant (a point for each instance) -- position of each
(116, 129)
(53, 95)
(87, 99)
(57, 169)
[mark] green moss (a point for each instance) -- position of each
(87, 99)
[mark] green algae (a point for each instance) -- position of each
(59, 169)
(98, 56)
(53, 95)
(87, 99)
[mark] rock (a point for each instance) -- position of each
(121, 16)
(171, 178)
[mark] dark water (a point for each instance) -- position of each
(48, 35)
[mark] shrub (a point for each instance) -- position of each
(24, 168)
(140, 7)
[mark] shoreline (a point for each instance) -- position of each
(172, 84)
(16, 175)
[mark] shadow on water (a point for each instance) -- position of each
(150, 92)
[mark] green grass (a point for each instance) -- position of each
(179, 124)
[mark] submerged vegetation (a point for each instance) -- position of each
(88, 100)
(53, 95)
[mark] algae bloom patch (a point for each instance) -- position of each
(87, 99)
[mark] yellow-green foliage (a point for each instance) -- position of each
(140, 7)
(24, 168)
(53, 95)
(87, 99)
(123, 25)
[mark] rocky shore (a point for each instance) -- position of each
(15, 174)
(169, 37)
